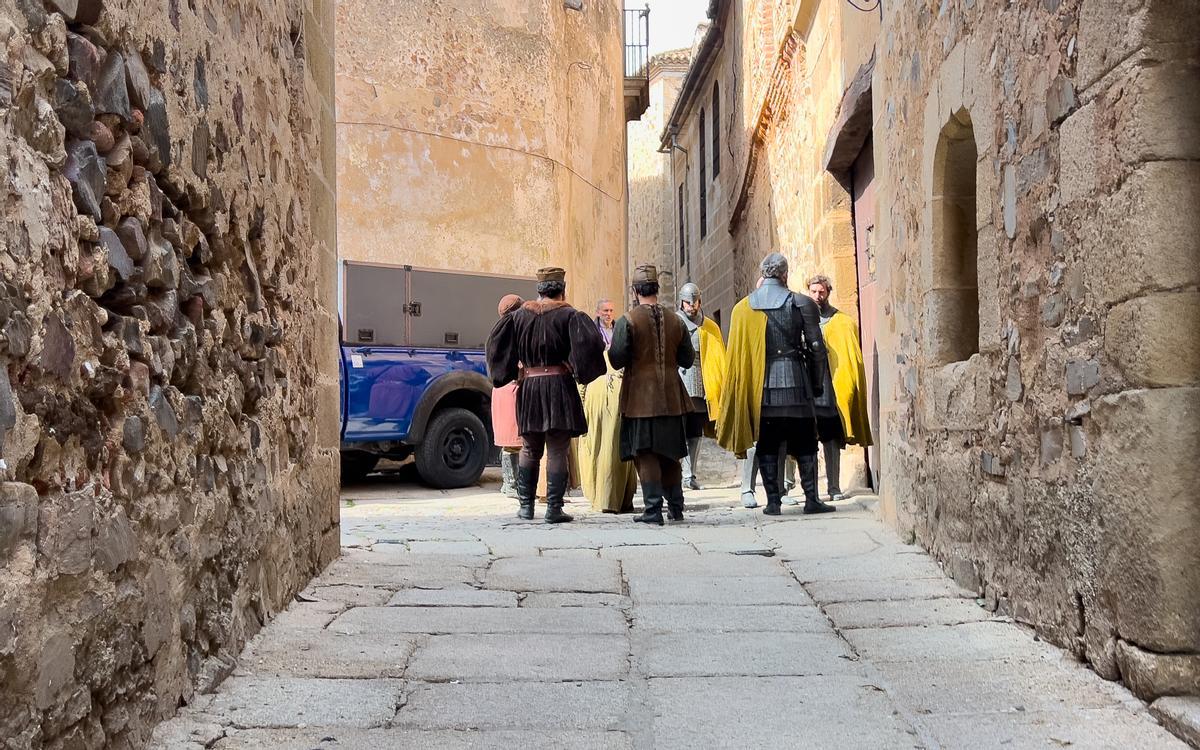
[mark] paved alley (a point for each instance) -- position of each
(447, 623)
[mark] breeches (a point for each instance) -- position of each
(553, 444)
(798, 433)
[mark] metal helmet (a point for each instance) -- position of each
(689, 292)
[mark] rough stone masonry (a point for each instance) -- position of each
(167, 409)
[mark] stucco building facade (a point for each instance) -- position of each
(485, 137)
(652, 231)
(168, 370)
(1001, 196)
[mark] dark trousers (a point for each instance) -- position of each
(798, 433)
(554, 444)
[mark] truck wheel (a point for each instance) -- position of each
(356, 466)
(454, 450)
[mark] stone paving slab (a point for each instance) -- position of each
(726, 590)
(713, 564)
(478, 620)
(452, 598)
(517, 705)
(989, 686)
(329, 654)
(742, 654)
(688, 618)
(497, 658)
(870, 567)
(458, 547)
(776, 712)
(804, 545)
(350, 595)
(554, 599)
(447, 739)
(646, 552)
(977, 641)
(574, 574)
(274, 702)
(852, 615)
(830, 592)
(1098, 729)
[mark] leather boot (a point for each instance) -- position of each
(527, 479)
(768, 466)
(833, 469)
(808, 480)
(652, 497)
(508, 468)
(675, 503)
(556, 488)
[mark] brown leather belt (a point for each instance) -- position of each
(541, 372)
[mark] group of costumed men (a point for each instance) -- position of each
(640, 392)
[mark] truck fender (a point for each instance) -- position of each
(460, 380)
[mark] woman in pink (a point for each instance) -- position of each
(504, 415)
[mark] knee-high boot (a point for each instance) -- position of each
(556, 489)
(833, 469)
(674, 502)
(652, 497)
(749, 470)
(527, 479)
(768, 465)
(808, 480)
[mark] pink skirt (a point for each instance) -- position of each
(504, 416)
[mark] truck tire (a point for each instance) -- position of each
(356, 465)
(454, 450)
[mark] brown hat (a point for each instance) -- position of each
(645, 272)
(551, 273)
(508, 303)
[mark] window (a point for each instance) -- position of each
(716, 130)
(682, 229)
(954, 275)
(703, 181)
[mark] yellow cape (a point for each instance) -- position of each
(712, 365)
(849, 377)
(745, 369)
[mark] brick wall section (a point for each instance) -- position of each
(168, 408)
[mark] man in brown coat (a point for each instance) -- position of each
(651, 343)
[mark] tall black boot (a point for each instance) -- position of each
(808, 480)
(675, 503)
(527, 479)
(768, 466)
(652, 497)
(556, 489)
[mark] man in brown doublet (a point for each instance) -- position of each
(651, 343)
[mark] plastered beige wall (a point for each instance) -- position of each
(485, 135)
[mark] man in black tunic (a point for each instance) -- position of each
(555, 345)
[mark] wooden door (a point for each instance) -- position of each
(862, 174)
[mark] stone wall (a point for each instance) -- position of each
(168, 409)
(653, 233)
(486, 136)
(1055, 467)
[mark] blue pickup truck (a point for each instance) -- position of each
(413, 377)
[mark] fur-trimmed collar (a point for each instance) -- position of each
(539, 306)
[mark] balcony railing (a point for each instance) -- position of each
(637, 42)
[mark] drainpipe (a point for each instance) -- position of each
(673, 193)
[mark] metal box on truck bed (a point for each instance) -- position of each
(406, 306)
(413, 377)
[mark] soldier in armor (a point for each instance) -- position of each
(703, 380)
(776, 371)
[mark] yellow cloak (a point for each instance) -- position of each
(712, 365)
(745, 369)
(849, 377)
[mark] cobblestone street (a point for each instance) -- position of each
(446, 623)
